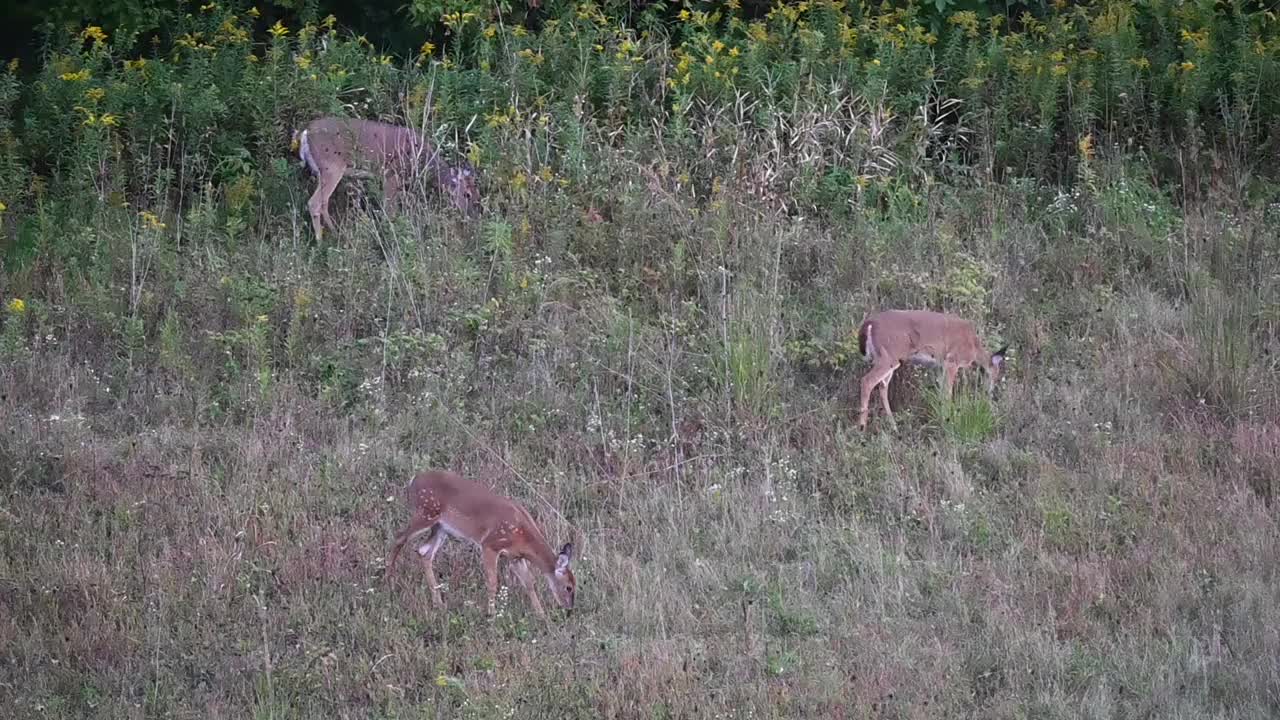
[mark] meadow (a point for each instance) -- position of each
(648, 337)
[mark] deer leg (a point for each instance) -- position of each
(526, 579)
(391, 190)
(318, 205)
(428, 553)
(884, 400)
(418, 525)
(949, 380)
(876, 375)
(491, 578)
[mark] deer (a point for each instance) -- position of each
(333, 148)
(446, 505)
(923, 337)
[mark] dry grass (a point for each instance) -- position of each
(200, 530)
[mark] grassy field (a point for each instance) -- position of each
(208, 420)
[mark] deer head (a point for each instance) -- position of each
(459, 183)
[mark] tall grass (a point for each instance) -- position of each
(209, 416)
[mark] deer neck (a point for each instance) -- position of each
(539, 552)
(438, 169)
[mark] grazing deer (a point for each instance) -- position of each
(922, 337)
(336, 147)
(447, 505)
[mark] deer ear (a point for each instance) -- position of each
(566, 554)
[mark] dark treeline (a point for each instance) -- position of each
(395, 26)
(30, 23)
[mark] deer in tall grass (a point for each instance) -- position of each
(333, 148)
(446, 505)
(922, 337)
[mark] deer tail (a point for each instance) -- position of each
(866, 344)
(304, 152)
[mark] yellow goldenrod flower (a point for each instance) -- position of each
(1086, 146)
(303, 61)
(254, 12)
(966, 20)
(94, 94)
(109, 120)
(151, 220)
(13, 66)
(1187, 66)
(17, 306)
(427, 48)
(278, 30)
(208, 8)
(329, 22)
(94, 33)
(78, 76)
(262, 319)
(1199, 39)
(3, 207)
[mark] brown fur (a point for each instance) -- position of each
(447, 505)
(891, 337)
(333, 148)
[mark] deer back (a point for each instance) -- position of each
(370, 145)
(902, 334)
(468, 508)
